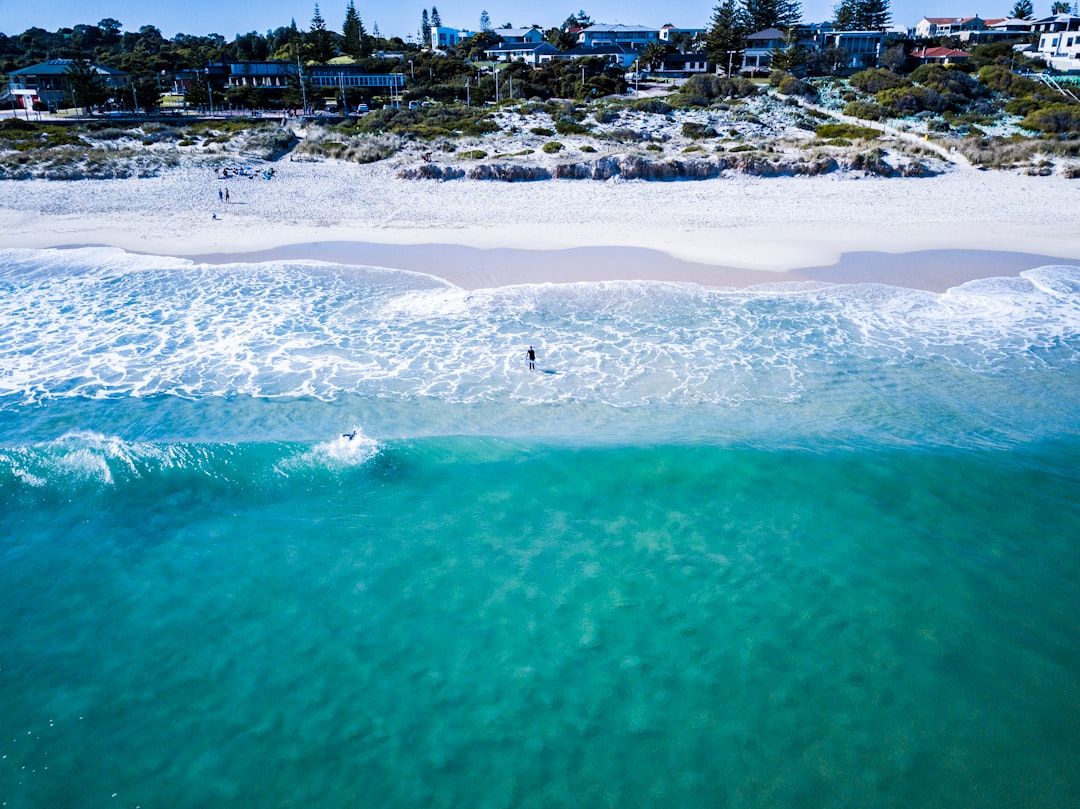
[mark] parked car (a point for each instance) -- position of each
(362, 108)
(414, 105)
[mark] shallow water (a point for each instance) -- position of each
(795, 546)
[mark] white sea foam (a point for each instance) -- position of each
(104, 324)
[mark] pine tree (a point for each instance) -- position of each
(1023, 10)
(727, 33)
(485, 21)
(436, 22)
(352, 33)
(762, 14)
(319, 38)
(863, 15)
(425, 30)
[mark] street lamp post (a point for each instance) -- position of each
(730, 54)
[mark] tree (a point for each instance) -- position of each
(727, 34)
(1023, 10)
(862, 15)
(352, 33)
(143, 94)
(436, 21)
(320, 43)
(579, 20)
(762, 14)
(85, 85)
(425, 30)
(654, 53)
(1060, 7)
(485, 21)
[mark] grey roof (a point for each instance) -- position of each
(604, 29)
(596, 50)
(768, 33)
(503, 47)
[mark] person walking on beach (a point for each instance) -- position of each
(220, 196)
(530, 357)
(226, 196)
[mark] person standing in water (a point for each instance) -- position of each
(530, 357)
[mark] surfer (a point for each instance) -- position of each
(350, 436)
(530, 357)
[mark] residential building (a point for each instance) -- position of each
(1059, 41)
(760, 45)
(616, 54)
(682, 64)
(863, 48)
(929, 27)
(940, 56)
(50, 83)
(670, 33)
(532, 53)
(443, 38)
(519, 36)
(1003, 30)
(635, 37)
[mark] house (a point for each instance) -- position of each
(1003, 30)
(50, 83)
(616, 54)
(671, 34)
(862, 48)
(443, 38)
(940, 56)
(929, 27)
(519, 36)
(353, 76)
(1059, 41)
(635, 37)
(532, 53)
(759, 49)
(682, 64)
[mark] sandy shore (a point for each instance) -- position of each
(928, 232)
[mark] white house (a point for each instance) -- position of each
(519, 35)
(443, 38)
(533, 53)
(1059, 41)
(929, 27)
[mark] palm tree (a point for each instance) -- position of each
(654, 52)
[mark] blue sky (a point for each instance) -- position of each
(401, 19)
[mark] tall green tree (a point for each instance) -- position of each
(485, 21)
(1023, 10)
(425, 30)
(1060, 7)
(85, 85)
(436, 21)
(762, 14)
(863, 15)
(727, 33)
(352, 32)
(320, 42)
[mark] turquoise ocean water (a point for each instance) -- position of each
(790, 546)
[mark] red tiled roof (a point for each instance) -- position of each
(939, 53)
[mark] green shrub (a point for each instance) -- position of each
(567, 127)
(791, 86)
(542, 131)
(606, 116)
(847, 131)
(876, 79)
(1002, 80)
(655, 147)
(694, 148)
(652, 105)
(697, 131)
(1025, 105)
(552, 147)
(1054, 118)
(746, 147)
(901, 102)
(588, 149)
(474, 154)
(836, 142)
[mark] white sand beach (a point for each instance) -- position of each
(735, 230)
